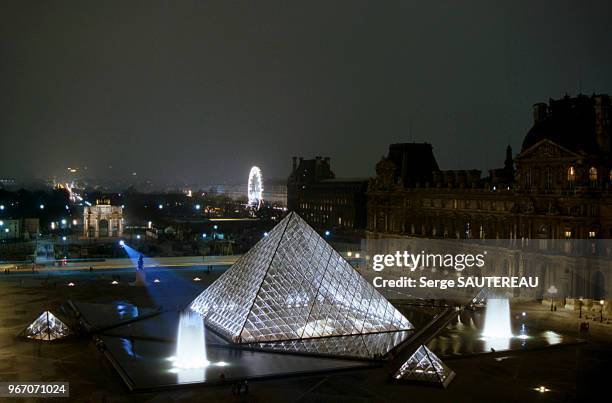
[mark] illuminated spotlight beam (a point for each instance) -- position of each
(181, 291)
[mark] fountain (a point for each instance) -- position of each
(497, 319)
(191, 342)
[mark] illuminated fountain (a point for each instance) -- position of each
(497, 319)
(497, 330)
(190, 342)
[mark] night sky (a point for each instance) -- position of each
(198, 91)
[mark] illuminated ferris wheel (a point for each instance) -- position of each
(255, 187)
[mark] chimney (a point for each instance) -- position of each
(540, 111)
(509, 162)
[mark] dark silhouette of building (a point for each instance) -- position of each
(324, 201)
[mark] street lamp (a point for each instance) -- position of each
(552, 290)
(580, 314)
(601, 302)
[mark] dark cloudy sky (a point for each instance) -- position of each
(198, 91)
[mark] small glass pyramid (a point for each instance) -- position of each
(46, 327)
(292, 285)
(425, 366)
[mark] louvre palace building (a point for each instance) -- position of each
(546, 212)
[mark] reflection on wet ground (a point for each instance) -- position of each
(463, 336)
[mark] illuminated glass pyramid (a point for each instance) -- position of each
(425, 366)
(46, 327)
(293, 285)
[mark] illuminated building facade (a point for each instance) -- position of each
(102, 220)
(560, 189)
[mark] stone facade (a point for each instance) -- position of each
(102, 221)
(559, 190)
(324, 201)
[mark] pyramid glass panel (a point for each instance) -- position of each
(47, 327)
(425, 366)
(366, 346)
(293, 285)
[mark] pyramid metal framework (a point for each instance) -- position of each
(425, 366)
(292, 285)
(47, 327)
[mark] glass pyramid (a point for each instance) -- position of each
(46, 327)
(425, 366)
(292, 285)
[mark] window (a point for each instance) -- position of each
(528, 179)
(568, 233)
(592, 234)
(548, 178)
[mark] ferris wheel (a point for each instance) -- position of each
(255, 187)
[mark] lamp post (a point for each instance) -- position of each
(580, 314)
(552, 290)
(601, 302)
